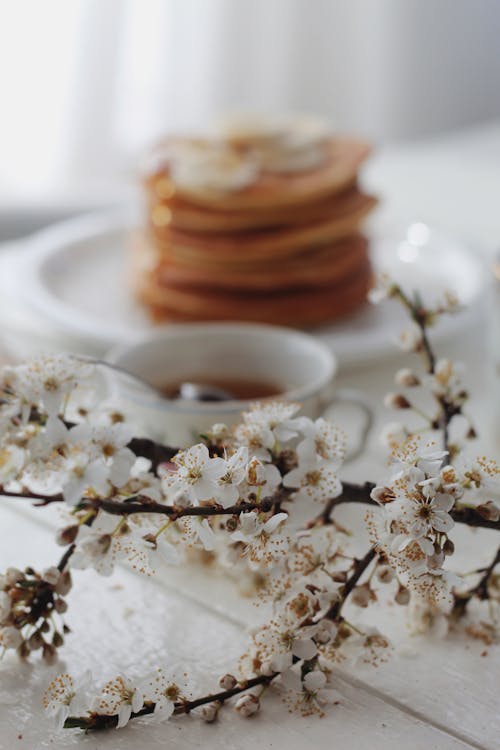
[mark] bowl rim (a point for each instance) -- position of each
(178, 330)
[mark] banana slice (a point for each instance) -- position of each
(292, 144)
(250, 132)
(211, 166)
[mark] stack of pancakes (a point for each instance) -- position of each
(255, 225)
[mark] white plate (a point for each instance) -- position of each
(75, 278)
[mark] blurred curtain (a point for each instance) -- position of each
(86, 84)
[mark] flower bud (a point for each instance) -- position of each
(448, 548)
(266, 668)
(51, 575)
(435, 561)
(228, 682)
(256, 473)
(67, 536)
(396, 401)
(344, 631)
(13, 576)
(443, 371)
(219, 432)
(406, 378)
(402, 596)
(489, 510)
(57, 640)
(326, 631)
(385, 573)
(210, 711)
(60, 606)
(339, 576)
(232, 523)
(64, 584)
(36, 641)
(247, 705)
(362, 595)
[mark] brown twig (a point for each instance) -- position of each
(95, 721)
(359, 568)
(351, 493)
(154, 452)
(420, 316)
(479, 591)
(144, 506)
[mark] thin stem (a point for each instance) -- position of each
(131, 508)
(447, 410)
(63, 562)
(94, 721)
(351, 493)
(359, 568)
(480, 590)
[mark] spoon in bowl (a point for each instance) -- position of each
(187, 391)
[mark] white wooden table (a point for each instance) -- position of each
(430, 695)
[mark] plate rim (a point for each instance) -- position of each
(58, 237)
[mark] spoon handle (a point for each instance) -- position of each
(121, 371)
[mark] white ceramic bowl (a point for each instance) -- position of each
(303, 367)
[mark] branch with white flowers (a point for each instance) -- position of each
(442, 378)
(241, 495)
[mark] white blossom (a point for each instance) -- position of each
(49, 380)
(322, 441)
(234, 473)
(65, 696)
(121, 697)
(108, 443)
(164, 691)
(98, 547)
(247, 705)
(82, 477)
(197, 473)
(282, 640)
(12, 460)
(199, 529)
(392, 435)
(312, 689)
(314, 480)
(261, 538)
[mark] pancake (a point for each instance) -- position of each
(342, 160)
(180, 214)
(320, 266)
(262, 244)
(300, 307)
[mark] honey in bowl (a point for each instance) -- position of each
(234, 389)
